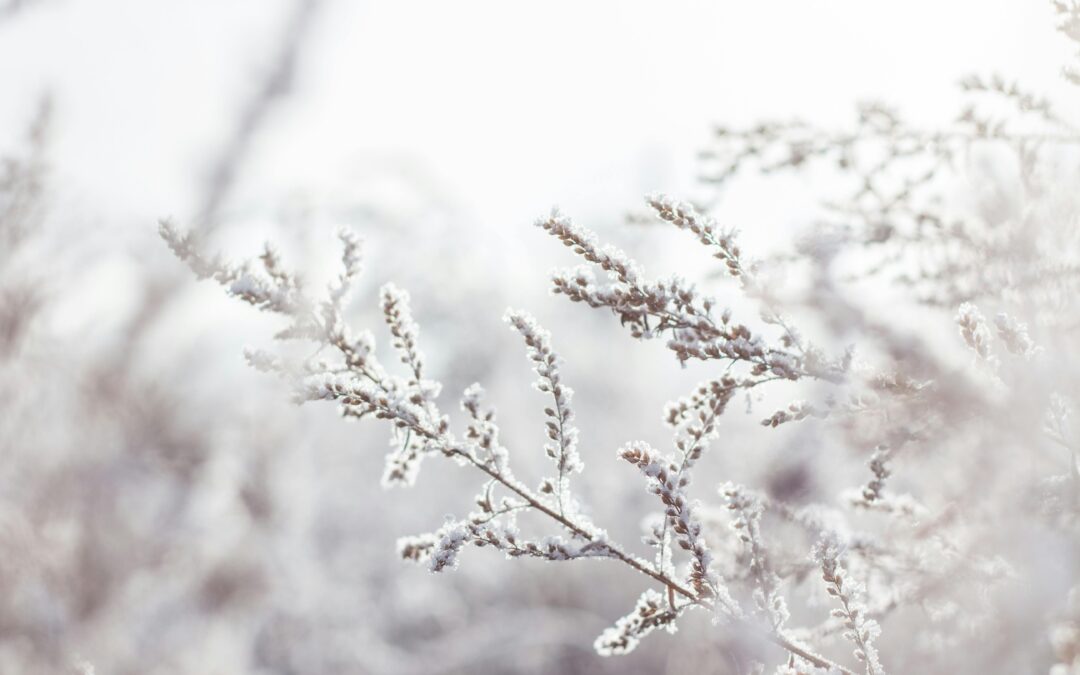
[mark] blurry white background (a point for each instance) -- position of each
(501, 109)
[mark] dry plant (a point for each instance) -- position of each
(954, 550)
(73, 550)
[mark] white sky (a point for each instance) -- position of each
(505, 107)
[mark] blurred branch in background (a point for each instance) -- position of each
(12, 7)
(22, 209)
(278, 82)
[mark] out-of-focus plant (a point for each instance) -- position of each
(21, 210)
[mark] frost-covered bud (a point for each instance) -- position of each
(451, 537)
(1014, 335)
(649, 614)
(975, 332)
